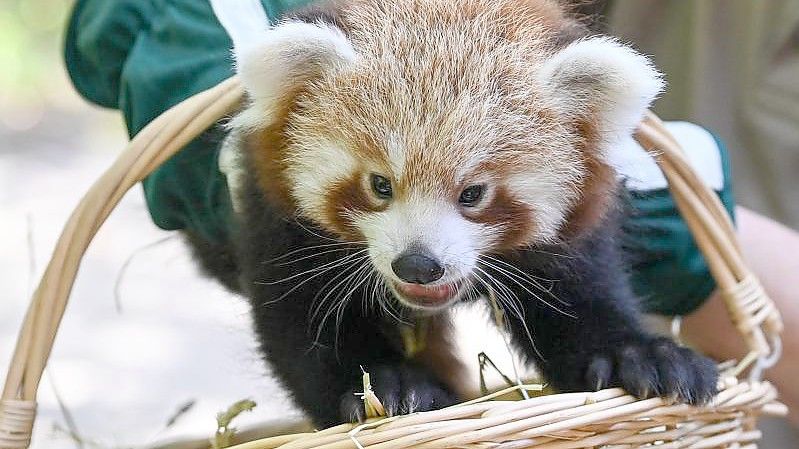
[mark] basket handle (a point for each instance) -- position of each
(752, 311)
(158, 141)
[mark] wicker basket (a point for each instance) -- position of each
(608, 418)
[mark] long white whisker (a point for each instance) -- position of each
(508, 302)
(550, 253)
(515, 279)
(347, 276)
(386, 303)
(351, 291)
(315, 234)
(281, 297)
(341, 305)
(311, 256)
(312, 247)
(371, 291)
(324, 267)
(503, 292)
(346, 273)
(529, 276)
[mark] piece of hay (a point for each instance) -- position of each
(224, 431)
(371, 404)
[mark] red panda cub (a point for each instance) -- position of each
(401, 156)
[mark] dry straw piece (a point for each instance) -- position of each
(608, 418)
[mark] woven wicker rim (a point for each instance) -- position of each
(554, 421)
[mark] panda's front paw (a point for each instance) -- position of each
(644, 367)
(402, 388)
(655, 367)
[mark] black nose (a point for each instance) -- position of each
(417, 268)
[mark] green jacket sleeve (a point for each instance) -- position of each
(668, 271)
(144, 56)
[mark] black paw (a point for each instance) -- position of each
(650, 367)
(402, 389)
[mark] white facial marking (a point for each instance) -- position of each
(314, 169)
(550, 195)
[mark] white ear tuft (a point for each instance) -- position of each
(283, 58)
(601, 77)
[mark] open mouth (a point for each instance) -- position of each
(431, 296)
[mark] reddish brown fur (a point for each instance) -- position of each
(346, 198)
(598, 185)
(515, 219)
(266, 148)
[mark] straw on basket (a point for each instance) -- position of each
(608, 418)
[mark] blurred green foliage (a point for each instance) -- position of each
(31, 34)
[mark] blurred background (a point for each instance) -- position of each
(145, 340)
(733, 67)
(149, 351)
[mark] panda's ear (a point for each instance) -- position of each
(601, 80)
(282, 59)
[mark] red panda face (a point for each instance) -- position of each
(438, 137)
(429, 191)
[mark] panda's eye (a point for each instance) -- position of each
(471, 195)
(381, 186)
